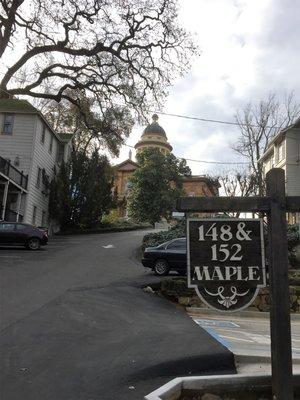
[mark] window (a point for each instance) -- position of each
(177, 245)
(34, 215)
(43, 134)
(7, 227)
(60, 152)
(44, 218)
(20, 227)
(280, 152)
(38, 178)
(51, 144)
(8, 124)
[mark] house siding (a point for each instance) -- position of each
(19, 144)
(25, 142)
(293, 163)
(43, 159)
(290, 162)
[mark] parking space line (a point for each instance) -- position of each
(237, 339)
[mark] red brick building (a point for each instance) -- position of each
(154, 136)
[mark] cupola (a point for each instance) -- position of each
(154, 136)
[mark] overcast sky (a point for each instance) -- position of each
(249, 49)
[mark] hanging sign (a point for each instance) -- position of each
(226, 263)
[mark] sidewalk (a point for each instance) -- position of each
(247, 335)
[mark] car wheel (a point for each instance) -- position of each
(161, 268)
(33, 244)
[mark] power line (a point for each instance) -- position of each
(217, 162)
(205, 161)
(214, 121)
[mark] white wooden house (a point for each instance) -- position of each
(284, 152)
(30, 152)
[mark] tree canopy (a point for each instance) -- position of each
(81, 192)
(121, 54)
(155, 185)
(109, 129)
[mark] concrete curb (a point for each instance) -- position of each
(244, 314)
(173, 389)
(103, 230)
(255, 359)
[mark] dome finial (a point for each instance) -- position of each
(155, 117)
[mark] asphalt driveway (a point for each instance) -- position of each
(76, 325)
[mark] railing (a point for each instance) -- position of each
(10, 215)
(13, 173)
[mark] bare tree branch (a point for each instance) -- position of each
(258, 123)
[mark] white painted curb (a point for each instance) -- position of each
(172, 389)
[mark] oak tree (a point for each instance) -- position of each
(120, 54)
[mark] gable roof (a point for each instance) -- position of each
(126, 163)
(279, 136)
(16, 105)
(24, 107)
(65, 137)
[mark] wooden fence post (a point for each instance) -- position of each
(281, 348)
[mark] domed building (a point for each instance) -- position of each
(154, 136)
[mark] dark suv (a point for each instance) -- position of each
(19, 234)
(166, 257)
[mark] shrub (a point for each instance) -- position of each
(293, 241)
(157, 238)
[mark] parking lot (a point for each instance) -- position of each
(75, 324)
(30, 279)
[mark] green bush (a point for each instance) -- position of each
(155, 239)
(293, 241)
(179, 230)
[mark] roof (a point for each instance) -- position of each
(295, 125)
(16, 105)
(202, 178)
(65, 137)
(24, 107)
(279, 136)
(154, 128)
(126, 162)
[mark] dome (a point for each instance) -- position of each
(154, 136)
(154, 128)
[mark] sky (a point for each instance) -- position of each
(249, 48)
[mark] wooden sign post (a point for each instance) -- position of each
(274, 205)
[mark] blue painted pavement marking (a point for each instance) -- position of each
(208, 324)
(215, 323)
(214, 334)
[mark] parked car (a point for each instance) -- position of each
(19, 234)
(169, 256)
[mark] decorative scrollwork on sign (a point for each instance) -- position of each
(227, 301)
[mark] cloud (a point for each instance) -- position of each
(249, 49)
